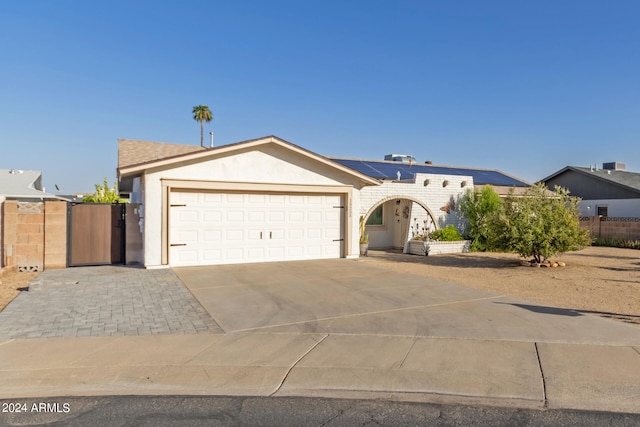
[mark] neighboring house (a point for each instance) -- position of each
(22, 226)
(610, 191)
(24, 186)
(269, 200)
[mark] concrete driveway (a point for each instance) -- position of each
(338, 328)
(353, 297)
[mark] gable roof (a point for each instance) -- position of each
(155, 154)
(134, 152)
(619, 178)
(23, 184)
(385, 169)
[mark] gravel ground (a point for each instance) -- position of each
(598, 280)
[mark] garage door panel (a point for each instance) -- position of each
(256, 216)
(234, 235)
(187, 236)
(188, 216)
(207, 198)
(219, 228)
(212, 256)
(212, 236)
(256, 199)
(295, 216)
(234, 199)
(277, 199)
(184, 197)
(295, 234)
(276, 216)
(235, 216)
(211, 216)
(314, 233)
(256, 253)
(234, 254)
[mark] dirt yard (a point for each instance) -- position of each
(602, 281)
(597, 280)
(11, 282)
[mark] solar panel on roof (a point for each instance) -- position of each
(388, 170)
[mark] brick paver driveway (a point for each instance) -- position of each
(106, 300)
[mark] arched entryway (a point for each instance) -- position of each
(392, 221)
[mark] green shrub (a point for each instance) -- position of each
(477, 206)
(616, 243)
(538, 224)
(447, 234)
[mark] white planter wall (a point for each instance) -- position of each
(416, 247)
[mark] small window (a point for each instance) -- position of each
(376, 217)
(603, 211)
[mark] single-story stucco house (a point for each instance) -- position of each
(610, 191)
(270, 200)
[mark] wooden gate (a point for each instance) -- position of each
(96, 234)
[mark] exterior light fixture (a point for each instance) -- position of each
(426, 182)
(463, 184)
(445, 182)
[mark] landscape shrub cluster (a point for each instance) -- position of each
(616, 243)
(537, 223)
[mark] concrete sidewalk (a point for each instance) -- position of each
(335, 328)
(439, 370)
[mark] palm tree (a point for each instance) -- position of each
(201, 113)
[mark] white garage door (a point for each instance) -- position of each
(225, 228)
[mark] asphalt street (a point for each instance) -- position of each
(168, 411)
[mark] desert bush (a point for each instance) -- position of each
(538, 224)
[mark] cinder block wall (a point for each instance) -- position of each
(29, 249)
(34, 235)
(9, 236)
(55, 234)
(29, 246)
(612, 227)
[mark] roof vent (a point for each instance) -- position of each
(614, 166)
(402, 158)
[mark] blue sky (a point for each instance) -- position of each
(524, 87)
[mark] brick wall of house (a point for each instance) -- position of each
(435, 195)
(612, 227)
(439, 193)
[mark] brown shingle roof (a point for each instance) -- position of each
(133, 152)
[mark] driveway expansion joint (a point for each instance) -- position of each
(544, 382)
(284, 378)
